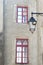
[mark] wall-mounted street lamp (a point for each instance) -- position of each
(32, 22)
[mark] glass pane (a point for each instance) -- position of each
(18, 60)
(19, 17)
(24, 54)
(24, 9)
(19, 21)
(19, 55)
(25, 42)
(24, 19)
(24, 60)
(19, 49)
(19, 13)
(24, 49)
(19, 9)
(24, 13)
(19, 43)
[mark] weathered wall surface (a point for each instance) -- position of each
(1, 15)
(14, 30)
(1, 33)
(40, 31)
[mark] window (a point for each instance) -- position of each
(22, 51)
(22, 14)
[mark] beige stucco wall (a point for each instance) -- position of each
(1, 15)
(1, 32)
(14, 30)
(40, 31)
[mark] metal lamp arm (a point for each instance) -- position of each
(36, 13)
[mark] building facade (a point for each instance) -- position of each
(1, 34)
(16, 29)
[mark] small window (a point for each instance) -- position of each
(22, 14)
(21, 51)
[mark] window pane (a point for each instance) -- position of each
(19, 42)
(24, 60)
(24, 13)
(25, 55)
(24, 19)
(18, 55)
(25, 42)
(24, 49)
(19, 9)
(19, 21)
(19, 49)
(24, 9)
(19, 13)
(19, 17)
(18, 60)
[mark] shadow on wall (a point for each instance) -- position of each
(1, 49)
(42, 58)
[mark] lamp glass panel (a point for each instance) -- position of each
(34, 23)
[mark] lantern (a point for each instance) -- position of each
(32, 24)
